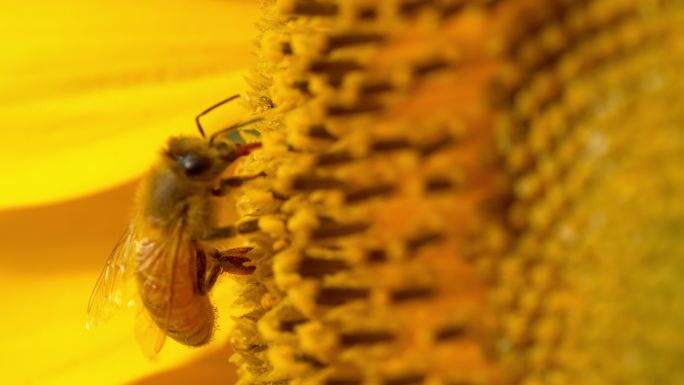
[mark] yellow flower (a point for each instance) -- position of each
(90, 91)
(467, 192)
(456, 192)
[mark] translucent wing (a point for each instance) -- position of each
(157, 262)
(149, 336)
(112, 287)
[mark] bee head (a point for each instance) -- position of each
(200, 160)
(195, 158)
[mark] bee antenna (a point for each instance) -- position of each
(233, 127)
(222, 102)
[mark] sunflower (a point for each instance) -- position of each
(455, 191)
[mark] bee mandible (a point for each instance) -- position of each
(164, 246)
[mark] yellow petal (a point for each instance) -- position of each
(92, 90)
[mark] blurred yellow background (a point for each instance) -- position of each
(89, 92)
(91, 88)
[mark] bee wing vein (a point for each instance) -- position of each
(110, 293)
(159, 260)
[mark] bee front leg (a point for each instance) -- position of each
(226, 184)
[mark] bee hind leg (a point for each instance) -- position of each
(228, 261)
(232, 260)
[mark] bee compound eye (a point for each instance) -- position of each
(193, 164)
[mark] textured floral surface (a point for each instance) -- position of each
(457, 192)
(466, 192)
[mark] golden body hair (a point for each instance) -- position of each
(174, 213)
(163, 246)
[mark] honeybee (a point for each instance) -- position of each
(164, 246)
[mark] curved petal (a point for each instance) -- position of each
(91, 90)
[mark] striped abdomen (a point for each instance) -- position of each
(166, 277)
